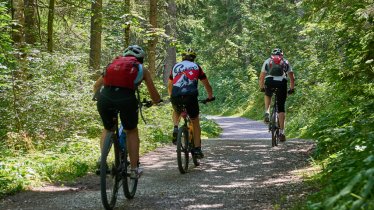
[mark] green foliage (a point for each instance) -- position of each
(209, 128)
(51, 104)
(63, 161)
(330, 46)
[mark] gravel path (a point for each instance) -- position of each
(241, 171)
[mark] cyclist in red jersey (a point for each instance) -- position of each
(118, 93)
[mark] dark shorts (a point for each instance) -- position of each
(189, 101)
(114, 99)
(270, 85)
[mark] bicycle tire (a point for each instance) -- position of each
(277, 127)
(273, 129)
(109, 176)
(182, 150)
(129, 185)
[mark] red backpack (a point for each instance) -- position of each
(122, 72)
(277, 65)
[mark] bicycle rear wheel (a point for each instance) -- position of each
(129, 184)
(273, 129)
(182, 149)
(109, 172)
(277, 127)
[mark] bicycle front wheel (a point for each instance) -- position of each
(109, 172)
(182, 149)
(129, 184)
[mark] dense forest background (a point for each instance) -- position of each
(52, 51)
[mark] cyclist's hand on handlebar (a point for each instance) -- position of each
(290, 91)
(96, 95)
(159, 102)
(147, 103)
(208, 100)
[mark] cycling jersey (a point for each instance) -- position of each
(265, 68)
(185, 76)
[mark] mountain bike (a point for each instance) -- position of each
(115, 166)
(274, 121)
(185, 141)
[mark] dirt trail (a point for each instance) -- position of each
(241, 171)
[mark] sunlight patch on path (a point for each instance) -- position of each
(241, 128)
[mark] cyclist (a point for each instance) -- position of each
(120, 80)
(182, 89)
(274, 73)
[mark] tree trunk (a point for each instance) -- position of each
(127, 22)
(95, 40)
(19, 17)
(30, 22)
(170, 27)
(153, 41)
(51, 13)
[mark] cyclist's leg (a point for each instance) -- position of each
(282, 96)
(107, 112)
(176, 103)
(129, 118)
(133, 146)
(192, 107)
(267, 103)
(267, 98)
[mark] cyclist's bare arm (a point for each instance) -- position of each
(99, 82)
(208, 88)
(262, 79)
(155, 96)
(292, 80)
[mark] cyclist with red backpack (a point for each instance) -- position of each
(120, 80)
(274, 73)
(182, 89)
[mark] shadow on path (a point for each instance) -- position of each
(235, 174)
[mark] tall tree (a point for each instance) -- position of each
(127, 22)
(170, 26)
(19, 18)
(30, 21)
(153, 41)
(95, 40)
(51, 13)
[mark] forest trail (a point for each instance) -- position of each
(241, 171)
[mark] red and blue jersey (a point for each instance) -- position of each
(185, 76)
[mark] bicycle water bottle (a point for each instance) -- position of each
(122, 138)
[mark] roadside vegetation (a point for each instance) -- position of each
(49, 125)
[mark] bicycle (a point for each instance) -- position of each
(274, 121)
(115, 166)
(185, 141)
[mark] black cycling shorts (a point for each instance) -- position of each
(189, 101)
(270, 85)
(113, 99)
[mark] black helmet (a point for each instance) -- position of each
(277, 51)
